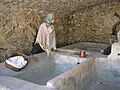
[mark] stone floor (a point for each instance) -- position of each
(103, 86)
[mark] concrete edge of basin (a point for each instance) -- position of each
(11, 83)
(57, 82)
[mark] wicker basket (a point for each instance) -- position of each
(17, 54)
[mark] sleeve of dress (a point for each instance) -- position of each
(41, 36)
(54, 40)
(38, 38)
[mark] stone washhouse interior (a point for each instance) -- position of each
(89, 25)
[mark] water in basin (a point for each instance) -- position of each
(41, 73)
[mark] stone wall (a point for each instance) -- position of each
(77, 20)
(93, 23)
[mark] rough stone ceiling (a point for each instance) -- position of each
(72, 6)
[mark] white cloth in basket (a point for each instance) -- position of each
(16, 61)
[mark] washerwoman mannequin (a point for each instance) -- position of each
(45, 40)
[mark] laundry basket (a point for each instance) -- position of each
(17, 54)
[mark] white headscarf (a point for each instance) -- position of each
(49, 18)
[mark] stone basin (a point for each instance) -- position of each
(64, 71)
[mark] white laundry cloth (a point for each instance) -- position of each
(16, 61)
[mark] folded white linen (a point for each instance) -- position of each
(16, 61)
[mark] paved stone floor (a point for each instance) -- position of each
(103, 86)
